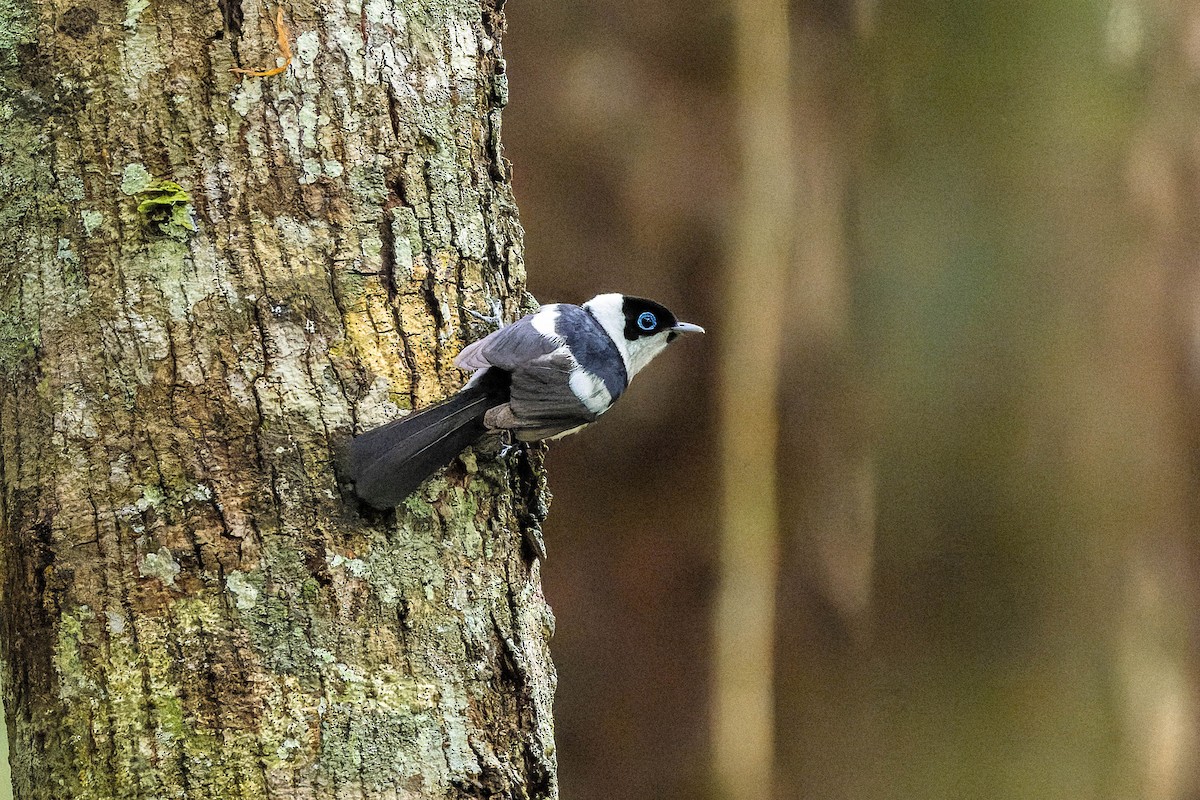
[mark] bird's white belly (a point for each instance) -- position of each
(576, 429)
(590, 390)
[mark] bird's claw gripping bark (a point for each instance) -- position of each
(493, 320)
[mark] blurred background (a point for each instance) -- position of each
(916, 518)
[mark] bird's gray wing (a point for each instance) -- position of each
(541, 396)
(541, 401)
(507, 348)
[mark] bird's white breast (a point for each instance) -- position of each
(590, 390)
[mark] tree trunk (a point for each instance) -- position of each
(762, 242)
(208, 283)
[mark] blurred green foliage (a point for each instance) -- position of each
(989, 232)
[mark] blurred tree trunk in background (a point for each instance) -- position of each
(1157, 299)
(762, 241)
(826, 472)
(208, 283)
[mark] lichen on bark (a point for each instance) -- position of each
(194, 604)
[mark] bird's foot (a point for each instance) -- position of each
(507, 445)
(494, 319)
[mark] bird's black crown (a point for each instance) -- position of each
(645, 317)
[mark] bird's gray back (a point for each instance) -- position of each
(593, 348)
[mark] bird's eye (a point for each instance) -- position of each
(647, 321)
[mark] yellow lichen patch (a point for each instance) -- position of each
(373, 338)
(422, 342)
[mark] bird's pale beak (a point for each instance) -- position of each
(686, 327)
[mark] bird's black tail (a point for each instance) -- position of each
(388, 463)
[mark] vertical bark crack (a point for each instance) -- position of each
(387, 254)
(232, 16)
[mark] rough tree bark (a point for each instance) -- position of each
(208, 283)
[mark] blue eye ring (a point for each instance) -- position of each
(647, 321)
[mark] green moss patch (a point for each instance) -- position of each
(166, 209)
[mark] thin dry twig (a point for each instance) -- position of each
(285, 47)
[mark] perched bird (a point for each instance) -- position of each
(546, 375)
